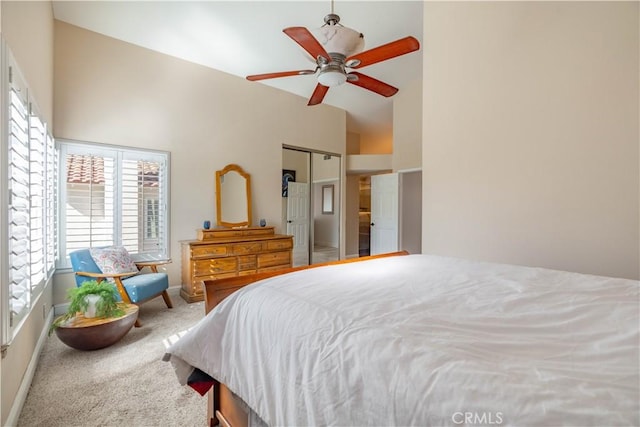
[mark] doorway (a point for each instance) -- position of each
(311, 210)
(392, 204)
(364, 215)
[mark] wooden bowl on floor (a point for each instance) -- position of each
(95, 333)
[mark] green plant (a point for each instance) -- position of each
(107, 305)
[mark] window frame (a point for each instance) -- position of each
(120, 154)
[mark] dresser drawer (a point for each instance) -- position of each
(247, 262)
(279, 244)
(273, 259)
(200, 280)
(206, 251)
(205, 267)
(247, 248)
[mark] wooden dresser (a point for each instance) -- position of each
(227, 252)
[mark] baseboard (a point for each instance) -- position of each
(21, 396)
(352, 256)
(60, 309)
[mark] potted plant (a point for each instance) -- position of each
(93, 299)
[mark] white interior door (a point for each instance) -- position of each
(384, 213)
(298, 221)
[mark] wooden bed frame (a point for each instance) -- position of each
(223, 408)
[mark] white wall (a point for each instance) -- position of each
(407, 127)
(113, 92)
(530, 134)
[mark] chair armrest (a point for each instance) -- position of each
(153, 265)
(150, 263)
(105, 275)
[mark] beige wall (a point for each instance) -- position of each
(112, 92)
(530, 134)
(27, 28)
(353, 143)
(407, 127)
(376, 143)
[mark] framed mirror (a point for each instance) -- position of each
(327, 199)
(233, 197)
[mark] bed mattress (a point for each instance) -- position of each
(426, 340)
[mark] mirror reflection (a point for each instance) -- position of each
(233, 197)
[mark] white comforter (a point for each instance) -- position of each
(426, 340)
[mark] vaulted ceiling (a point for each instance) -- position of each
(245, 37)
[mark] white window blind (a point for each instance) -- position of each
(106, 194)
(89, 203)
(51, 206)
(142, 231)
(30, 222)
(19, 218)
(37, 165)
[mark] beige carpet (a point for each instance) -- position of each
(126, 384)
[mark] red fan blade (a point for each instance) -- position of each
(384, 52)
(318, 94)
(280, 74)
(304, 38)
(373, 85)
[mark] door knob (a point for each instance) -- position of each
(372, 224)
(289, 221)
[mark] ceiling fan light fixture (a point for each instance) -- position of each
(330, 78)
(339, 39)
(334, 48)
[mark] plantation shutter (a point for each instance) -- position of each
(37, 141)
(143, 218)
(29, 187)
(51, 197)
(19, 191)
(90, 201)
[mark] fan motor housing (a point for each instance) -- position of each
(332, 73)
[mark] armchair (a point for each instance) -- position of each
(132, 287)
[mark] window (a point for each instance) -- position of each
(113, 196)
(28, 166)
(152, 213)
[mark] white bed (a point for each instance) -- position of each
(426, 340)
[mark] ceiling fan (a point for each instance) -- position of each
(335, 49)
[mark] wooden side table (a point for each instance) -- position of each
(94, 333)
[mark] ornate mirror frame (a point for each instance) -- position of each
(219, 178)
